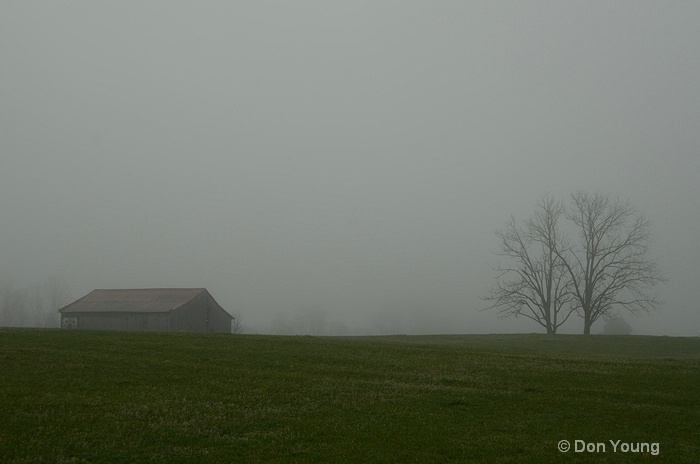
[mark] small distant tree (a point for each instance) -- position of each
(38, 307)
(13, 306)
(237, 323)
(616, 326)
(534, 283)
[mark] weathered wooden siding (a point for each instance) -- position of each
(190, 317)
(201, 314)
(117, 321)
(219, 319)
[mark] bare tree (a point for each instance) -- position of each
(57, 293)
(609, 267)
(13, 303)
(35, 305)
(237, 323)
(50, 295)
(535, 286)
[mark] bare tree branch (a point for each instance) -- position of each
(610, 266)
(535, 287)
(550, 278)
(237, 323)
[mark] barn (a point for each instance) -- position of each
(150, 309)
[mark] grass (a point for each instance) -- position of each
(82, 396)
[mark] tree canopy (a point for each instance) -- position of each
(550, 275)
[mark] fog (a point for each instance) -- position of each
(339, 167)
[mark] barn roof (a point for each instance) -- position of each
(147, 300)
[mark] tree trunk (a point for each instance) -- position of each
(587, 323)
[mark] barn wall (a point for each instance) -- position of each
(190, 317)
(219, 319)
(201, 314)
(157, 322)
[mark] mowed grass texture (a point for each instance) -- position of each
(82, 396)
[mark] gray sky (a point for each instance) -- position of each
(348, 158)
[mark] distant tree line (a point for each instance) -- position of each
(35, 305)
(548, 275)
(306, 320)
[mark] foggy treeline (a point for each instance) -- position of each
(34, 305)
(307, 321)
(399, 317)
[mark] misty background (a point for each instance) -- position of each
(339, 167)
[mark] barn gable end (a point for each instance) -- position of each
(154, 309)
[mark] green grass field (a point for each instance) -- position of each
(81, 396)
